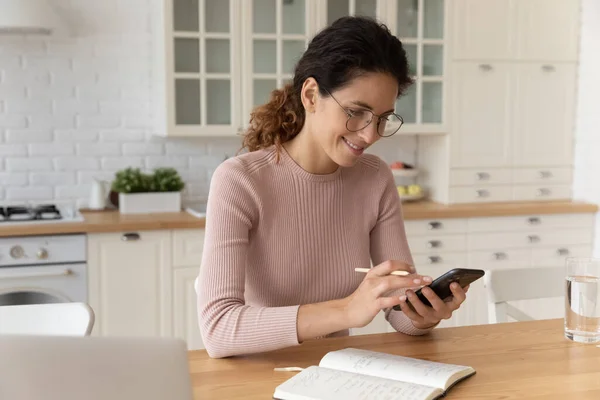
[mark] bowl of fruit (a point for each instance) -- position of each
(410, 192)
(400, 168)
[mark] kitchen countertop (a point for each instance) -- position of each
(113, 221)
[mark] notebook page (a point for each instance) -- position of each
(316, 383)
(393, 367)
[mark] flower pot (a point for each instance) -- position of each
(154, 202)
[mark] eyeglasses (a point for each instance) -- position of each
(360, 119)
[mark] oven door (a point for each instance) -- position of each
(43, 284)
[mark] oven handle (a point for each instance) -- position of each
(14, 273)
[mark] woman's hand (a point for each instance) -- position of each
(423, 316)
(370, 297)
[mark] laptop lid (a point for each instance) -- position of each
(93, 368)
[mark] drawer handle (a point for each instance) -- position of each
(130, 237)
(435, 225)
(500, 256)
(483, 176)
(533, 238)
(545, 174)
(563, 251)
(435, 260)
(485, 67)
(434, 244)
(534, 221)
(543, 192)
(548, 68)
(483, 193)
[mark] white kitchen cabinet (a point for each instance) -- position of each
(185, 315)
(129, 283)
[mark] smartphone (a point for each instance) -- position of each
(441, 285)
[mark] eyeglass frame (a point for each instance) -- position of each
(379, 117)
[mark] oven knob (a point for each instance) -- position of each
(42, 254)
(17, 252)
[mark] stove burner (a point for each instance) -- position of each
(41, 212)
(47, 211)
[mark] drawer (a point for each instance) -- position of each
(419, 227)
(543, 176)
(542, 192)
(443, 260)
(531, 222)
(499, 258)
(436, 244)
(187, 247)
(480, 177)
(556, 256)
(529, 239)
(480, 194)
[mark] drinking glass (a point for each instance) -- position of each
(582, 300)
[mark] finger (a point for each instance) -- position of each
(387, 267)
(459, 295)
(437, 303)
(408, 310)
(388, 302)
(389, 283)
(420, 308)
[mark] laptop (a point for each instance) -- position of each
(93, 368)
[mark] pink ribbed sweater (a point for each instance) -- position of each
(278, 237)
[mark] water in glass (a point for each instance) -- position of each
(582, 300)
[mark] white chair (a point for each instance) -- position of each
(516, 284)
(62, 319)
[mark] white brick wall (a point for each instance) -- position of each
(77, 108)
(587, 138)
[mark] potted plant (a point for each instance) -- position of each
(141, 193)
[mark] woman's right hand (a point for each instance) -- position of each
(373, 293)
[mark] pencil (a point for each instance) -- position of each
(365, 270)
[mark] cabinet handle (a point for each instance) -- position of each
(534, 221)
(563, 251)
(483, 193)
(543, 192)
(500, 256)
(435, 260)
(548, 68)
(533, 238)
(483, 176)
(485, 67)
(545, 174)
(129, 237)
(435, 225)
(434, 244)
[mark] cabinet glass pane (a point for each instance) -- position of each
(187, 101)
(433, 60)
(265, 56)
(218, 102)
(185, 15)
(262, 90)
(406, 105)
(432, 102)
(411, 54)
(407, 19)
(292, 51)
(337, 9)
(293, 17)
(264, 16)
(433, 19)
(366, 8)
(217, 55)
(216, 15)
(187, 55)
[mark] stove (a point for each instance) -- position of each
(37, 214)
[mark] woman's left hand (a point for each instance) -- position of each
(423, 316)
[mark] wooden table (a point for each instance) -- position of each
(524, 360)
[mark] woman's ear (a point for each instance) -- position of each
(309, 95)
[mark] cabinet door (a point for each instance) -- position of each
(203, 84)
(483, 29)
(481, 113)
(547, 30)
(185, 317)
(129, 281)
(276, 33)
(330, 10)
(544, 114)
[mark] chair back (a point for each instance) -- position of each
(63, 319)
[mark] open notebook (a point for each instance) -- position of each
(355, 374)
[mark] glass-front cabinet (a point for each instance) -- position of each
(218, 59)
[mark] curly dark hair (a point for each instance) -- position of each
(349, 47)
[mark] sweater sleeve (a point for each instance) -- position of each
(228, 326)
(389, 242)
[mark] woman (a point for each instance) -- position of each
(289, 221)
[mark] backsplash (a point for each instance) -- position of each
(77, 108)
